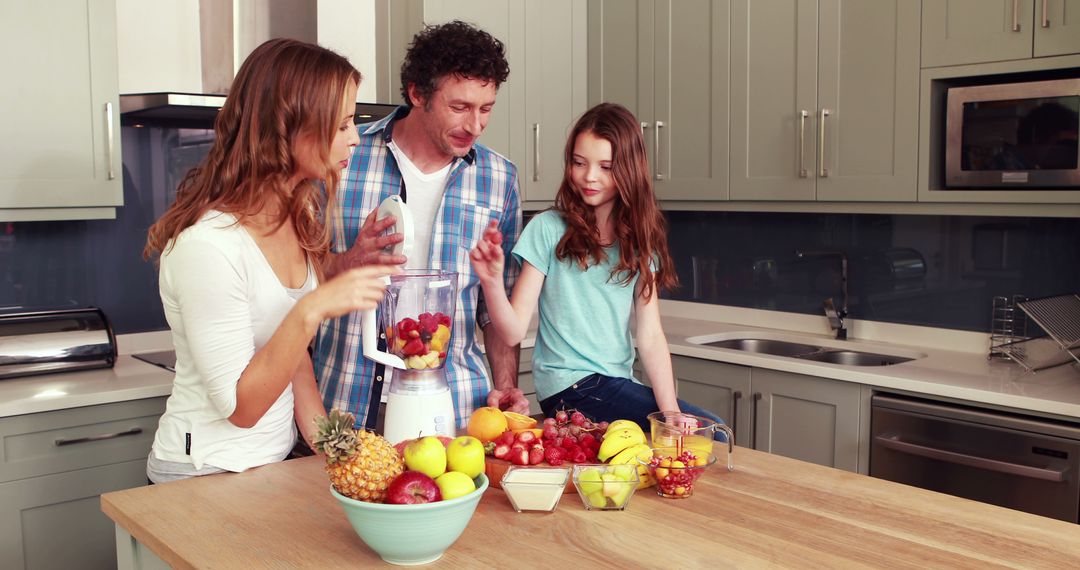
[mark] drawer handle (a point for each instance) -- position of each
(73, 441)
(735, 397)
(896, 444)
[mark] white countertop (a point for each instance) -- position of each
(954, 366)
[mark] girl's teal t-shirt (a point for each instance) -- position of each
(584, 315)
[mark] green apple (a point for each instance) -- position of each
(426, 455)
(466, 454)
(454, 484)
(590, 481)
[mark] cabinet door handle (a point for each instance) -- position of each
(536, 152)
(656, 137)
(99, 437)
(1045, 15)
(753, 420)
(1016, 16)
(823, 170)
(735, 397)
(803, 172)
(109, 139)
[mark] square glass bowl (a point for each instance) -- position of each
(534, 488)
(604, 487)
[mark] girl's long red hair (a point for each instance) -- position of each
(285, 90)
(639, 226)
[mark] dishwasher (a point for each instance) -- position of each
(1011, 460)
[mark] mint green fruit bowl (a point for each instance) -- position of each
(408, 535)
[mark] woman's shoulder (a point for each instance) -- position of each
(214, 230)
(549, 219)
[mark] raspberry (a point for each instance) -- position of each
(587, 440)
(554, 456)
(580, 456)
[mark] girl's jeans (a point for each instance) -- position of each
(606, 399)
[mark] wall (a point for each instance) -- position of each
(348, 27)
(939, 271)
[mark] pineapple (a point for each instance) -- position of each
(361, 464)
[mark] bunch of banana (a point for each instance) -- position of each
(624, 442)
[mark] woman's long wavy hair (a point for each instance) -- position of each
(286, 91)
(640, 227)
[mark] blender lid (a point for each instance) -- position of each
(395, 206)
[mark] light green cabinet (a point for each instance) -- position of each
(957, 32)
(545, 93)
(824, 100)
(61, 125)
(667, 61)
(804, 417)
(53, 467)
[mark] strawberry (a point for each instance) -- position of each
(405, 325)
(413, 347)
(507, 437)
(443, 320)
(536, 454)
(526, 437)
(518, 456)
(502, 451)
(554, 456)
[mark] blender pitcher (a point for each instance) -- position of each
(418, 319)
(687, 431)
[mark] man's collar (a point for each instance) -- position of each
(386, 126)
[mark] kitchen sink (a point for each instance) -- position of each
(854, 358)
(791, 349)
(766, 346)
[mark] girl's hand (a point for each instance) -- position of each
(487, 257)
(357, 289)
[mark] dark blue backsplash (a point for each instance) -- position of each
(939, 271)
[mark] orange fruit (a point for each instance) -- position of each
(516, 421)
(486, 423)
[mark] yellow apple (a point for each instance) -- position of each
(426, 455)
(465, 454)
(454, 484)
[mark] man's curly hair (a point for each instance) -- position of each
(455, 48)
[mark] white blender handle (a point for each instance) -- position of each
(369, 337)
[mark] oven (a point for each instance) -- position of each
(1016, 461)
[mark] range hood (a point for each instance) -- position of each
(198, 111)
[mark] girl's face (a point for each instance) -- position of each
(345, 138)
(590, 170)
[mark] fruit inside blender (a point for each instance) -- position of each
(421, 342)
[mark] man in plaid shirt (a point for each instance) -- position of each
(426, 151)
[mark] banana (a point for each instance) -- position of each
(623, 424)
(614, 442)
(631, 454)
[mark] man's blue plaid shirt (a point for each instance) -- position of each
(481, 187)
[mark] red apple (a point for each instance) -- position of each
(412, 487)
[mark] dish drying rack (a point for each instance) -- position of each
(1058, 316)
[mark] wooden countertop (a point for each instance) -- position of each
(770, 511)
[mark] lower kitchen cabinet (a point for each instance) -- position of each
(803, 417)
(53, 468)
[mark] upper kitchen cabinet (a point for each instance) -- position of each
(824, 100)
(545, 93)
(61, 124)
(667, 61)
(956, 32)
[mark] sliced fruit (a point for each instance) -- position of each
(517, 421)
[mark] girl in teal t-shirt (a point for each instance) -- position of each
(600, 252)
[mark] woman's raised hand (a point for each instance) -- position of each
(357, 289)
(487, 257)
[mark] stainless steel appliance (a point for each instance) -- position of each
(1013, 135)
(1011, 460)
(57, 340)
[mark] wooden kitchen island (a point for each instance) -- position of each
(770, 512)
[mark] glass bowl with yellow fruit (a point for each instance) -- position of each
(605, 487)
(677, 469)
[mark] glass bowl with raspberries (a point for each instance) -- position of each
(677, 469)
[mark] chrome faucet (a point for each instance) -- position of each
(836, 317)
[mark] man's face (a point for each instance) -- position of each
(456, 113)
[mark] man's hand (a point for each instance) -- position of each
(369, 245)
(509, 400)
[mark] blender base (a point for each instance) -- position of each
(410, 416)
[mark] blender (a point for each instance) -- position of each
(417, 317)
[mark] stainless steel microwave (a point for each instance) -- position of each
(1014, 135)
